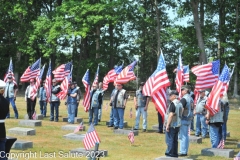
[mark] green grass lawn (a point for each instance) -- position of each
(147, 146)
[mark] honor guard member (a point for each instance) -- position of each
(186, 121)
(119, 105)
(215, 125)
(172, 124)
(141, 106)
(225, 115)
(111, 120)
(10, 94)
(79, 94)
(200, 112)
(54, 101)
(42, 99)
(100, 89)
(95, 101)
(31, 103)
(72, 102)
(4, 109)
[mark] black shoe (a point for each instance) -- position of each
(144, 130)
(135, 129)
(110, 125)
(99, 120)
(115, 127)
(182, 155)
(159, 131)
(56, 120)
(197, 135)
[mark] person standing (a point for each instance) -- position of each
(54, 101)
(141, 105)
(111, 121)
(72, 103)
(172, 124)
(43, 99)
(95, 101)
(4, 110)
(215, 125)
(78, 97)
(200, 112)
(119, 104)
(100, 89)
(225, 102)
(31, 103)
(10, 94)
(186, 121)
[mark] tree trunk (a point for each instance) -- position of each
(110, 30)
(158, 28)
(202, 57)
(97, 41)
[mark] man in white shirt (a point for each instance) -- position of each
(31, 103)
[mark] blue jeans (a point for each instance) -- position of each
(224, 126)
(171, 139)
(54, 106)
(118, 117)
(43, 108)
(184, 137)
(76, 110)
(111, 121)
(100, 112)
(139, 111)
(93, 112)
(11, 100)
(2, 149)
(160, 122)
(192, 124)
(71, 112)
(201, 125)
(215, 135)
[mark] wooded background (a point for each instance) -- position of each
(110, 32)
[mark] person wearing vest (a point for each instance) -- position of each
(72, 103)
(10, 94)
(31, 103)
(119, 104)
(200, 112)
(4, 109)
(186, 121)
(192, 99)
(215, 125)
(95, 101)
(78, 97)
(141, 105)
(172, 123)
(225, 102)
(54, 101)
(42, 99)
(111, 120)
(100, 89)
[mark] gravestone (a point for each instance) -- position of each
(22, 131)
(22, 145)
(171, 158)
(84, 153)
(76, 119)
(228, 134)
(155, 127)
(74, 136)
(38, 117)
(238, 145)
(30, 123)
(124, 123)
(228, 153)
(125, 131)
(70, 127)
(194, 139)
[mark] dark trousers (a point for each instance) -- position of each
(2, 149)
(30, 107)
(172, 142)
(54, 106)
(76, 110)
(160, 122)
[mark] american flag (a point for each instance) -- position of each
(34, 116)
(213, 98)
(86, 83)
(237, 156)
(62, 71)
(127, 74)
(79, 128)
(90, 138)
(207, 74)
(131, 137)
(31, 72)
(48, 82)
(179, 76)
(159, 99)
(95, 82)
(10, 73)
(225, 88)
(131, 113)
(221, 144)
(111, 76)
(64, 86)
(33, 94)
(186, 73)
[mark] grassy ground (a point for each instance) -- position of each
(149, 145)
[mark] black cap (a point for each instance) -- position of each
(173, 92)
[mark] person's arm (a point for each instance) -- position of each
(207, 117)
(125, 100)
(73, 95)
(15, 91)
(147, 102)
(26, 93)
(170, 116)
(184, 102)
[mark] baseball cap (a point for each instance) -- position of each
(173, 92)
